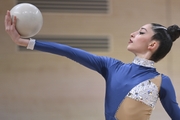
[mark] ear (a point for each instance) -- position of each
(153, 45)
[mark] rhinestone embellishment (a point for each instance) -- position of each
(143, 62)
(146, 92)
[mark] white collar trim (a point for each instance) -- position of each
(143, 62)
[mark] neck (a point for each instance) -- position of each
(145, 55)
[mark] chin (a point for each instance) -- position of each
(128, 48)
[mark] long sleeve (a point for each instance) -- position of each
(168, 99)
(94, 62)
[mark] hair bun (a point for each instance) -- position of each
(174, 32)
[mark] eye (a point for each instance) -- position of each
(141, 33)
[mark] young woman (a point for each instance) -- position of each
(132, 89)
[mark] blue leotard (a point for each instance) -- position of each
(120, 77)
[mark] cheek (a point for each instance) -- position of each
(143, 41)
(138, 45)
(142, 45)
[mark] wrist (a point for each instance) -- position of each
(23, 42)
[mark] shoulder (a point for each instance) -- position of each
(166, 85)
(112, 61)
(166, 80)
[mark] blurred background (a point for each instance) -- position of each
(42, 86)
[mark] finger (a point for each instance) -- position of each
(14, 21)
(7, 19)
(8, 13)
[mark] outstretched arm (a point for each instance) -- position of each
(94, 62)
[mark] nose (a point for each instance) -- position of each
(133, 34)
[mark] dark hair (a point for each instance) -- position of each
(166, 37)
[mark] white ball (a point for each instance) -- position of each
(29, 19)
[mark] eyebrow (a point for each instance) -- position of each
(144, 29)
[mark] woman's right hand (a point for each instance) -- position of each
(12, 32)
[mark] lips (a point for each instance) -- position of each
(130, 41)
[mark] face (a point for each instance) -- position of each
(140, 40)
